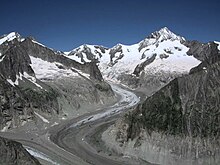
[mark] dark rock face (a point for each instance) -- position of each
(13, 153)
(201, 51)
(19, 102)
(187, 106)
(183, 117)
(21, 98)
(208, 53)
(139, 68)
(16, 61)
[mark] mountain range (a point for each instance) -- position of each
(179, 78)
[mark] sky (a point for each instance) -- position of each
(67, 24)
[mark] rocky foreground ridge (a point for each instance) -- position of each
(13, 153)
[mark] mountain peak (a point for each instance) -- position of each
(165, 34)
(9, 37)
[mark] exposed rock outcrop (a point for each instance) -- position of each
(181, 120)
(13, 153)
(26, 96)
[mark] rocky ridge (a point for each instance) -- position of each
(12, 153)
(178, 124)
(33, 79)
(147, 65)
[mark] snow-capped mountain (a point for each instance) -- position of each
(9, 37)
(37, 82)
(162, 52)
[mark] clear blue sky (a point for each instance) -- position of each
(66, 24)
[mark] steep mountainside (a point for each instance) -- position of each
(39, 84)
(180, 120)
(12, 153)
(149, 64)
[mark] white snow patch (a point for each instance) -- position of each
(8, 37)
(20, 77)
(2, 58)
(41, 117)
(44, 69)
(32, 79)
(66, 53)
(11, 82)
(6, 127)
(55, 123)
(218, 44)
(81, 73)
(38, 43)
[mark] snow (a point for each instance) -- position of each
(2, 58)
(8, 37)
(32, 79)
(38, 43)
(55, 123)
(165, 33)
(6, 127)
(41, 117)
(20, 77)
(88, 48)
(178, 61)
(11, 82)
(218, 44)
(81, 73)
(162, 43)
(48, 70)
(40, 155)
(66, 53)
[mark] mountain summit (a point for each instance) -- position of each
(9, 37)
(162, 54)
(165, 34)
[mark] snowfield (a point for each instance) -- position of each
(171, 55)
(44, 69)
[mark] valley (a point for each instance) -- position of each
(153, 102)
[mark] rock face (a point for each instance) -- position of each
(187, 106)
(208, 53)
(12, 153)
(33, 79)
(182, 120)
(21, 92)
(147, 65)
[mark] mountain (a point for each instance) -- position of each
(149, 64)
(39, 84)
(12, 152)
(178, 124)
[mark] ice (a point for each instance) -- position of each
(126, 97)
(40, 155)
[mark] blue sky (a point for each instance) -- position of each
(66, 24)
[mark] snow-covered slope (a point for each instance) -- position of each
(10, 37)
(162, 51)
(218, 45)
